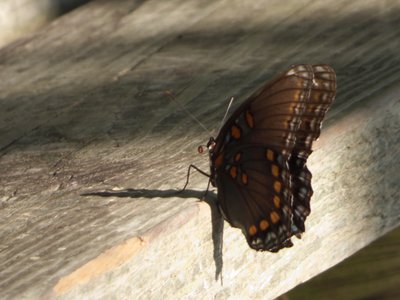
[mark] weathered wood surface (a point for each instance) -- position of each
(21, 17)
(372, 273)
(83, 109)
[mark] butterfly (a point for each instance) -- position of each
(258, 159)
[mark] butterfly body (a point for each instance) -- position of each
(258, 160)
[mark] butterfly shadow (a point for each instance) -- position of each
(210, 198)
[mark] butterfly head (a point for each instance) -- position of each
(210, 147)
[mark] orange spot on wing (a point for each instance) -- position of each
(235, 132)
(249, 119)
(277, 201)
(252, 230)
(274, 217)
(264, 225)
(277, 186)
(219, 160)
(244, 178)
(238, 156)
(233, 172)
(275, 170)
(269, 154)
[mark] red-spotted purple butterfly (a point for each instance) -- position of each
(258, 160)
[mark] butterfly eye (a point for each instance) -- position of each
(201, 148)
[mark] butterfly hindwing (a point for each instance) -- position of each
(253, 195)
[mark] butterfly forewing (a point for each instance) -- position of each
(272, 114)
(258, 162)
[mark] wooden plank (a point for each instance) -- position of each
(84, 109)
(23, 17)
(372, 273)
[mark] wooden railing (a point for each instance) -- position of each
(84, 111)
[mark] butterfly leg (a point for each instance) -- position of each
(188, 175)
(206, 192)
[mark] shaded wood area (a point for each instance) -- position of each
(372, 273)
(84, 110)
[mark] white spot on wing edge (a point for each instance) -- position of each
(291, 72)
(320, 68)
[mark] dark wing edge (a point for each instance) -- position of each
(322, 94)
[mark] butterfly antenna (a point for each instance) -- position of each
(226, 113)
(172, 97)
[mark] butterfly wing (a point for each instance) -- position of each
(253, 196)
(258, 163)
(321, 97)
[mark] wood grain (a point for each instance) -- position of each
(83, 110)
